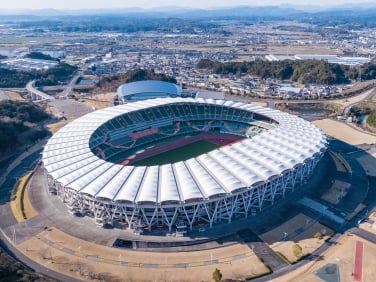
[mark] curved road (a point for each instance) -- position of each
(371, 93)
(30, 88)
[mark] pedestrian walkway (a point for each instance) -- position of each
(67, 254)
(131, 263)
(262, 250)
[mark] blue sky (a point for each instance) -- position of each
(95, 4)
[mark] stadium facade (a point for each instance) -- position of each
(147, 89)
(278, 154)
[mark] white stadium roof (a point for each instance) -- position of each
(146, 89)
(69, 160)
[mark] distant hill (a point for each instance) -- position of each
(302, 71)
(111, 83)
(232, 11)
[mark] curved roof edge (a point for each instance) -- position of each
(149, 86)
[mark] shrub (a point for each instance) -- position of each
(318, 235)
(217, 275)
(297, 250)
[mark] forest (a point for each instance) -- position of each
(15, 78)
(111, 83)
(19, 124)
(40, 56)
(300, 71)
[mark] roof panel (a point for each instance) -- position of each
(206, 183)
(188, 187)
(114, 185)
(129, 190)
(168, 190)
(149, 187)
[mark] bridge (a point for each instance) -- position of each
(35, 94)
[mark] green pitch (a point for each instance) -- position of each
(179, 154)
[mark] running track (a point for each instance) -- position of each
(358, 268)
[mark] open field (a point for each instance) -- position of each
(14, 95)
(100, 101)
(344, 132)
(269, 49)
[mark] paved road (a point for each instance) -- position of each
(30, 87)
(364, 234)
(262, 250)
(347, 109)
(314, 256)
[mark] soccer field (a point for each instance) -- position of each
(179, 154)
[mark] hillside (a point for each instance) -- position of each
(20, 124)
(111, 83)
(302, 71)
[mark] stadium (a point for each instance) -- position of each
(147, 89)
(92, 163)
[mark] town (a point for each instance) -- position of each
(176, 51)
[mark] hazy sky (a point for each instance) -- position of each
(95, 4)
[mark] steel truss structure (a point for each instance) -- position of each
(233, 181)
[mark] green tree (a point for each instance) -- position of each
(40, 56)
(371, 120)
(217, 275)
(114, 81)
(302, 71)
(318, 235)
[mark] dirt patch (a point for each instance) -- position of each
(15, 95)
(54, 127)
(100, 101)
(344, 132)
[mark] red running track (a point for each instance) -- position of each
(358, 268)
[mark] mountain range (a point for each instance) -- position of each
(286, 10)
